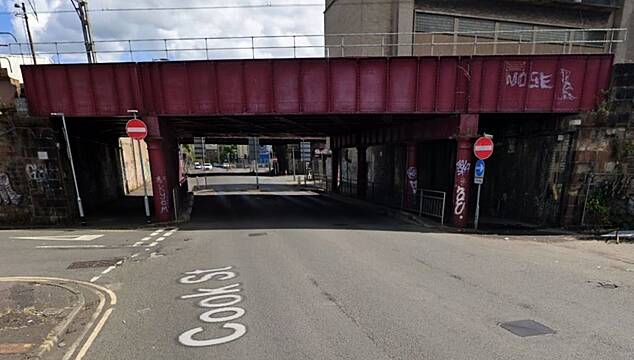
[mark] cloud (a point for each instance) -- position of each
(175, 24)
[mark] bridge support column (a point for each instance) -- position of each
(334, 180)
(161, 181)
(362, 172)
(411, 176)
(464, 163)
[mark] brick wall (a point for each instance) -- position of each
(34, 183)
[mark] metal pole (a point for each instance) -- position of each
(204, 151)
(477, 212)
(257, 178)
(145, 197)
(293, 161)
(28, 32)
(82, 218)
(174, 200)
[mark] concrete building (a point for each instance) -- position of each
(484, 27)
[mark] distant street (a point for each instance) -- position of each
(298, 275)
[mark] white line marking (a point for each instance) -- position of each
(137, 244)
(95, 278)
(153, 244)
(109, 269)
(61, 237)
(94, 334)
(146, 238)
(70, 246)
(134, 255)
(119, 262)
(160, 239)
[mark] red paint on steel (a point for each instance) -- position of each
(480, 84)
(462, 183)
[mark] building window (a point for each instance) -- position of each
(433, 23)
(484, 28)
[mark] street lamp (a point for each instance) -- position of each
(82, 218)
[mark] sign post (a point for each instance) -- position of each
(483, 149)
(137, 130)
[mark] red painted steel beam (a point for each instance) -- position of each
(403, 85)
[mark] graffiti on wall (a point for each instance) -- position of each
(40, 176)
(412, 179)
(8, 196)
(517, 77)
(161, 184)
(460, 201)
(462, 177)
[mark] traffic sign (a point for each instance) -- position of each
(483, 148)
(479, 172)
(136, 129)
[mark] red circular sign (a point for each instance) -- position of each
(483, 148)
(136, 129)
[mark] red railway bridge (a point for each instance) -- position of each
(357, 102)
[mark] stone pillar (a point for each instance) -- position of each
(362, 172)
(410, 190)
(161, 181)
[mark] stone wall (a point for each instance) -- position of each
(35, 186)
(602, 180)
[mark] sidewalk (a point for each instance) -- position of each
(29, 312)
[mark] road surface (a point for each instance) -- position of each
(300, 276)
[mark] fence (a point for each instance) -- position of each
(533, 41)
(432, 203)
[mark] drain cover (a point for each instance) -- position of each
(94, 263)
(525, 328)
(258, 234)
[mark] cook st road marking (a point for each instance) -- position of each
(221, 301)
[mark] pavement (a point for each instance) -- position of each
(286, 273)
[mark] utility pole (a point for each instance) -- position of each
(28, 30)
(81, 7)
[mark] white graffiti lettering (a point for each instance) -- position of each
(566, 86)
(460, 200)
(8, 196)
(412, 177)
(221, 301)
(539, 80)
(536, 80)
(463, 167)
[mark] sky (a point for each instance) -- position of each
(172, 24)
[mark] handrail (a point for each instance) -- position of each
(319, 45)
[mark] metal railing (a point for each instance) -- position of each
(432, 203)
(534, 41)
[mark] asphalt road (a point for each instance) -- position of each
(302, 276)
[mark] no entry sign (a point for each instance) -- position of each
(483, 148)
(136, 129)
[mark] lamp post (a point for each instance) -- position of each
(82, 218)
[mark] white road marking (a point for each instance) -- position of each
(61, 237)
(70, 246)
(95, 278)
(134, 255)
(137, 244)
(146, 238)
(160, 239)
(153, 244)
(109, 269)
(157, 232)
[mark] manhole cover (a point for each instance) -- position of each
(258, 234)
(525, 328)
(94, 263)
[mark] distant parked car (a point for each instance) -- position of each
(198, 166)
(208, 166)
(225, 165)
